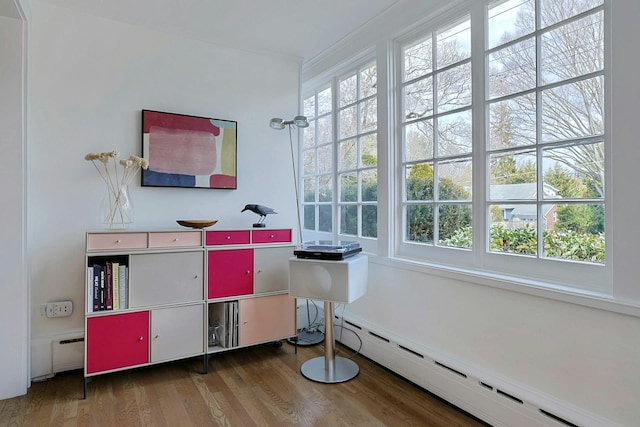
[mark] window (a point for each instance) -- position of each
(437, 146)
(358, 148)
(545, 121)
(354, 176)
(494, 143)
(317, 154)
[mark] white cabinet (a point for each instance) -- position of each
(177, 332)
(154, 296)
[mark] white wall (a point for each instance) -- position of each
(14, 290)
(90, 78)
(580, 356)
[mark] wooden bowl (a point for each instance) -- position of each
(196, 223)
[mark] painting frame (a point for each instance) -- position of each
(188, 151)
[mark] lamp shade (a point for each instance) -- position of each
(276, 123)
(300, 121)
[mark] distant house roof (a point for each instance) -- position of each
(527, 191)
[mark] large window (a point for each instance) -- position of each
(494, 124)
(358, 153)
(545, 112)
(317, 154)
(436, 133)
(340, 155)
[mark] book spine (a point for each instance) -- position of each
(116, 285)
(109, 286)
(89, 289)
(96, 287)
(102, 289)
(122, 279)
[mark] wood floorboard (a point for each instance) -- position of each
(257, 386)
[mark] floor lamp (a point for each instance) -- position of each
(309, 336)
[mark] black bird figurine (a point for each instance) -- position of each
(263, 211)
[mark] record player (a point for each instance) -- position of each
(327, 250)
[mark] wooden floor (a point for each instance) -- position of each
(258, 386)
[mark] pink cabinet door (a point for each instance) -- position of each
(266, 319)
(117, 341)
(230, 273)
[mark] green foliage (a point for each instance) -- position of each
(557, 244)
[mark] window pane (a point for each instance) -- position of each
(454, 180)
(325, 188)
(348, 122)
(368, 82)
(309, 159)
(309, 135)
(369, 185)
(454, 88)
(419, 182)
(324, 130)
(509, 20)
(574, 232)
(418, 99)
(454, 226)
(309, 217)
(575, 171)
(325, 218)
(368, 115)
(454, 134)
(512, 69)
(454, 44)
(349, 220)
(553, 11)
(574, 110)
(513, 175)
(418, 140)
(309, 190)
(418, 60)
(348, 90)
(325, 159)
(513, 229)
(512, 123)
(324, 101)
(573, 50)
(419, 223)
(348, 154)
(369, 150)
(369, 221)
(349, 187)
(309, 107)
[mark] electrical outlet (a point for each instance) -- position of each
(59, 309)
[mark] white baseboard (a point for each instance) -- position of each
(495, 400)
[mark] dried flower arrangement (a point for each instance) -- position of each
(117, 211)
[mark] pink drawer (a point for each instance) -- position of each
(178, 239)
(271, 236)
(116, 241)
(234, 237)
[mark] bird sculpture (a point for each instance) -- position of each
(263, 211)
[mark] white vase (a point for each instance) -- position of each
(116, 209)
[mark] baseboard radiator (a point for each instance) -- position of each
(494, 400)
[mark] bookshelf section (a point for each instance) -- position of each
(158, 296)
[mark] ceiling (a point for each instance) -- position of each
(300, 29)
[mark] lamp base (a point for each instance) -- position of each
(259, 225)
(305, 338)
(338, 370)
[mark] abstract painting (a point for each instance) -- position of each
(188, 151)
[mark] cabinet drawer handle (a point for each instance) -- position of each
(228, 237)
(248, 271)
(176, 239)
(141, 339)
(118, 241)
(157, 336)
(195, 277)
(271, 236)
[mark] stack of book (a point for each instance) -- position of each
(106, 286)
